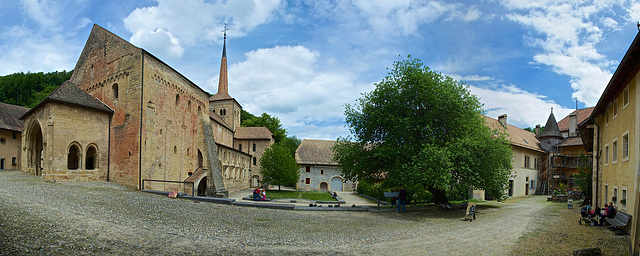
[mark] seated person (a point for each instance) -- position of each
(609, 212)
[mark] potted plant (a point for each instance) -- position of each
(623, 202)
(614, 199)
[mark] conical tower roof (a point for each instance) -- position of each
(551, 128)
(223, 84)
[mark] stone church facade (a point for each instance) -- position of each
(126, 116)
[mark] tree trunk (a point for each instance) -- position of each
(439, 196)
(278, 187)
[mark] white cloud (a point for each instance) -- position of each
(390, 16)
(42, 11)
(195, 21)
(159, 42)
(294, 85)
(567, 34)
(28, 52)
(524, 109)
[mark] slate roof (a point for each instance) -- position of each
(582, 115)
(10, 117)
(315, 152)
(517, 137)
(551, 128)
(253, 133)
(69, 93)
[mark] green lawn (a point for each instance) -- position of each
(311, 195)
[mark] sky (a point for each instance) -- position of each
(302, 61)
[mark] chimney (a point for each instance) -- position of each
(537, 130)
(503, 120)
(573, 125)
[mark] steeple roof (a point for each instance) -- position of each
(551, 128)
(223, 82)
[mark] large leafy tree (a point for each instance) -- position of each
(418, 127)
(28, 89)
(585, 172)
(265, 120)
(278, 166)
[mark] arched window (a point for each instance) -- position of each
(189, 105)
(199, 109)
(177, 99)
(254, 160)
(254, 147)
(114, 89)
(73, 158)
(90, 162)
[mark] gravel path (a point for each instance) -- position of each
(101, 218)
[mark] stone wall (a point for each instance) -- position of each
(10, 142)
(319, 174)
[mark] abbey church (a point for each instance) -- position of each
(126, 116)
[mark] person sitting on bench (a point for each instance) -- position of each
(609, 212)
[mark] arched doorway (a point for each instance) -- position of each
(254, 181)
(202, 186)
(35, 148)
(324, 186)
(336, 184)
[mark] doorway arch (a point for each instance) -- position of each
(202, 186)
(35, 147)
(336, 184)
(324, 186)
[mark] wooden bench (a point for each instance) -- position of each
(620, 220)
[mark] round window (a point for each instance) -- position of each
(3, 140)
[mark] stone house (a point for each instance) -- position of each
(10, 133)
(526, 158)
(318, 171)
(126, 116)
(563, 147)
(614, 127)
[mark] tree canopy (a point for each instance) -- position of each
(28, 89)
(418, 127)
(271, 122)
(278, 166)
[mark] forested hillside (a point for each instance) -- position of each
(27, 89)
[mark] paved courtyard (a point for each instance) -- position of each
(40, 217)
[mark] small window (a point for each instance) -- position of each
(177, 99)
(254, 147)
(527, 163)
(615, 194)
(606, 154)
(199, 109)
(114, 89)
(615, 108)
(614, 151)
(321, 172)
(255, 161)
(240, 147)
(13, 134)
(532, 184)
(189, 105)
(3, 141)
(625, 98)
(175, 149)
(307, 168)
(623, 198)
(307, 181)
(13, 161)
(625, 146)
(606, 117)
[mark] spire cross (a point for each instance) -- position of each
(225, 30)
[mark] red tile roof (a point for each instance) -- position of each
(582, 114)
(517, 137)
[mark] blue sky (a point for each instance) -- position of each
(303, 60)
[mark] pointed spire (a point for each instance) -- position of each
(223, 85)
(551, 128)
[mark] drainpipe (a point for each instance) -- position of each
(109, 148)
(597, 156)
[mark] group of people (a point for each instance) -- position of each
(259, 195)
(608, 211)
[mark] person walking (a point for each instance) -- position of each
(402, 199)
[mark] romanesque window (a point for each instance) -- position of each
(114, 89)
(189, 105)
(240, 147)
(177, 99)
(73, 158)
(254, 160)
(254, 147)
(175, 149)
(199, 109)
(90, 161)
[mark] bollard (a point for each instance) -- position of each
(570, 203)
